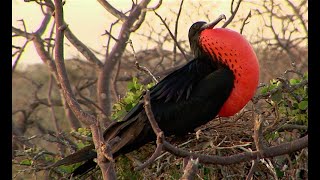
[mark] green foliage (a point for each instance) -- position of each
(85, 132)
(132, 97)
(26, 162)
(293, 105)
(125, 170)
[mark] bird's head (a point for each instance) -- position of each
(196, 29)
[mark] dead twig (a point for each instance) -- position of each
(172, 36)
(141, 68)
(233, 13)
(245, 22)
(190, 170)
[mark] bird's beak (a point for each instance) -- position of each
(212, 24)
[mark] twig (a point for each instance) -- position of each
(20, 51)
(82, 48)
(80, 136)
(190, 170)
(257, 134)
(172, 36)
(110, 37)
(156, 129)
(141, 68)
(155, 7)
(252, 169)
(270, 166)
(113, 10)
(176, 34)
(245, 22)
(114, 82)
(233, 13)
(54, 118)
(156, 153)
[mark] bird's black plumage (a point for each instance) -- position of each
(185, 99)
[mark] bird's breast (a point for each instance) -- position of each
(231, 49)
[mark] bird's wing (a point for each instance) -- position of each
(177, 85)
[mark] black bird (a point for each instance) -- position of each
(220, 80)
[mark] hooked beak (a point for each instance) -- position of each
(212, 24)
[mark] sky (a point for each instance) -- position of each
(88, 20)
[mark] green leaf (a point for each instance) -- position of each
(305, 75)
(303, 105)
(264, 90)
(276, 96)
(130, 86)
(279, 173)
(66, 169)
(26, 162)
(294, 81)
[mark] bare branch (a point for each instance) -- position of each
(176, 33)
(141, 68)
(155, 7)
(172, 36)
(257, 134)
(252, 169)
(20, 51)
(82, 48)
(233, 13)
(113, 10)
(156, 129)
(245, 22)
(105, 76)
(298, 14)
(190, 170)
(107, 168)
(278, 150)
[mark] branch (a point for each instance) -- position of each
(20, 51)
(156, 129)
(233, 13)
(113, 10)
(176, 33)
(278, 150)
(172, 36)
(106, 167)
(105, 76)
(54, 117)
(190, 170)
(141, 68)
(62, 74)
(257, 134)
(245, 22)
(82, 48)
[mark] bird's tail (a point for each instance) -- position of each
(131, 135)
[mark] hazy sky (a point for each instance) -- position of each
(88, 20)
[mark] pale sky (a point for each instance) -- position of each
(88, 20)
